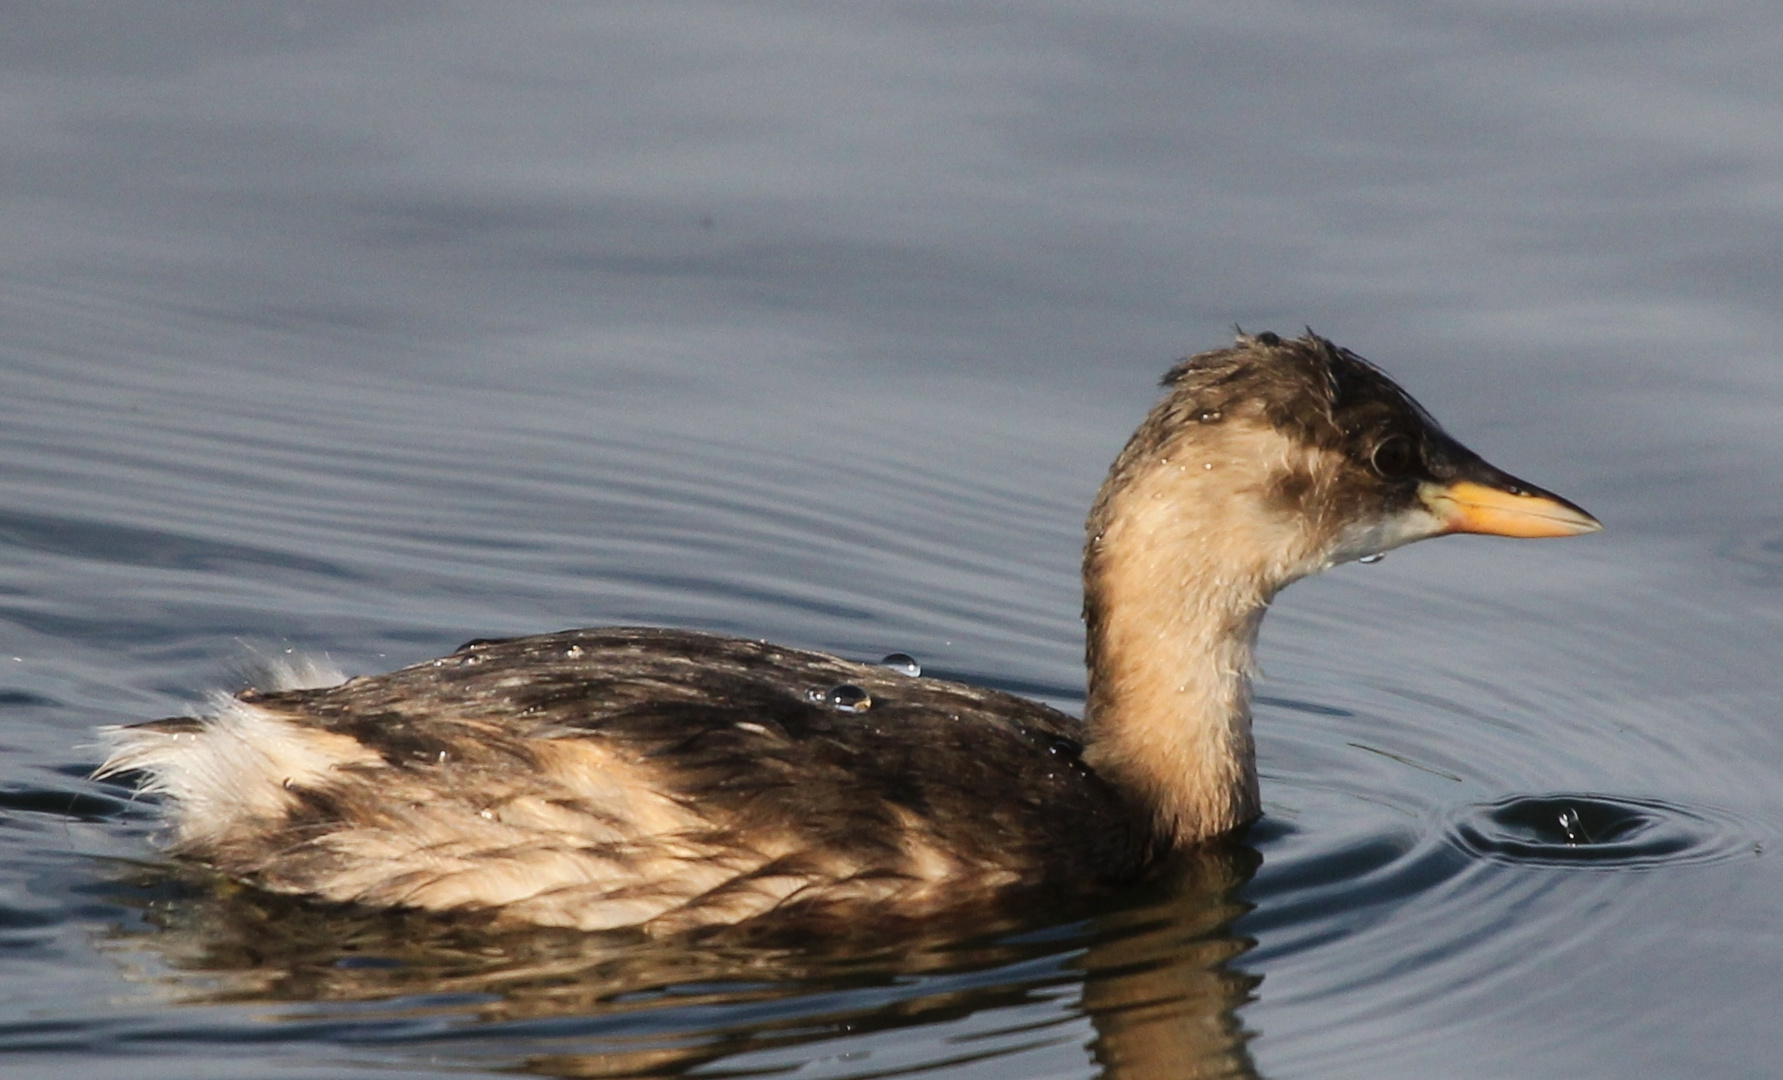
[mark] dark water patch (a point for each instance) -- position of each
(1333, 865)
(1599, 832)
(1268, 830)
(1340, 887)
(97, 628)
(13, 918)
(63, 1035)
(1311, 708)
(208, 632)
(72, 805)
(153, 548)
(24, 698)
(83, 771)
(1756, 548)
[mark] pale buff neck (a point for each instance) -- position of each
(1181, 565)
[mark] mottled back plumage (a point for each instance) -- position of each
(636, 776)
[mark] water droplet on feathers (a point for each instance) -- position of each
(903, 664)
(848, 698)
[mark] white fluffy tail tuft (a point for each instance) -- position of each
(234, 767)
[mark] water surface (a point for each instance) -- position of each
(358, 330)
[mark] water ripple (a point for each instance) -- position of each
(1600, 832)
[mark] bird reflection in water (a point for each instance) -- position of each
(1150, 970)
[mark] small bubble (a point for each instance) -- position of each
(289, 783)
(902, 663)
(574, 652)
(1209, 465)
(849, 698)
(1370, 560)
(473, 658)
(442, 757)
(1208, 416)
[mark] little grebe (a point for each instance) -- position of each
(672, 780)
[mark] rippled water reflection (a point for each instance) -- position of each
(362, 330)
(1140, 988)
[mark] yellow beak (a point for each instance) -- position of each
(1518, 509)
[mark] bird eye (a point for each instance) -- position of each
(1394, 457)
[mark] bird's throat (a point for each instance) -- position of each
(1169, 717)
(1174, 597)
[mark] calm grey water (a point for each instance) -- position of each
(362, 329)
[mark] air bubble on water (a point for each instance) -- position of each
(902, 663)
